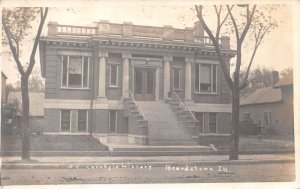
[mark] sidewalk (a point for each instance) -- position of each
(90, 162)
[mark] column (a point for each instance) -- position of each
(125, 84)
(167, 68)
(188, 79)
(157, 72)
(102, 74)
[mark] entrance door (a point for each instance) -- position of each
(144, 84)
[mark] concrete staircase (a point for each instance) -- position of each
(164, 125)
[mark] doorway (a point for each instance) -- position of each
(144, 84)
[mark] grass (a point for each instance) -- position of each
(257, 142)
(53, 143)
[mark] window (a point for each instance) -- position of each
(206, 78)
(212, 122)
(200, 118)
(176, 79)
(138, 76)
(150, 81)
(75, 71)
(114, 69)
(65, 125)
(247, 116)
(112, 121)
(267, 118)
(82, 121)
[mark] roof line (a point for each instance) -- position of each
(260, 96)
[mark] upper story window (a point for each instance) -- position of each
(75, 71)
(205, 78)
(114, 72)
(176, 78)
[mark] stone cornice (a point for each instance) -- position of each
(126, 55)
(201, 50)
(168, 58)
(103, 54)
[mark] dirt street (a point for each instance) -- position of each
(148, 174)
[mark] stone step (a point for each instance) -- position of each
(164, 126)
(159, 142)
(158, 148)
(162, 153)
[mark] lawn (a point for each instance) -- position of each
(53, 143)
(257, 142)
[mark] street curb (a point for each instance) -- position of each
(144, 153)
(97, 165)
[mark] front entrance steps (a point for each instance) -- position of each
(164, 126)
(141, 150)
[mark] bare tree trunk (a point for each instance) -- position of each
(26, 131)
(234, 142)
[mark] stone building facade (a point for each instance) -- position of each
(126, 83)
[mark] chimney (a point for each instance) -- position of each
(199, 31)
(275, 76)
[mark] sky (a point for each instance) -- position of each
(275, 53)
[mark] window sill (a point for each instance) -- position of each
(74, 88)
(113, 87)
(177, 90)
(213, 134)
(202, 93)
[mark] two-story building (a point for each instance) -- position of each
(126, 83)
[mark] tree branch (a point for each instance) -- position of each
(216, 45)
(12, 47)
(36, 41)
(226, 17)
(249, 20)
(258, 40)
(233, 22)
(218, 21)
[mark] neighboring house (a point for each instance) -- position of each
(271, 108)
(128, 83)
(36, 110)
(3, 87)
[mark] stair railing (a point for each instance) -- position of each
(136, 104)
(186, 108)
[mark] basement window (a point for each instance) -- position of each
(65, 123)
(212, 122)
(112, 121)
(82, 120)
(200, 121)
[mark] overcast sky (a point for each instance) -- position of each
(275, 53)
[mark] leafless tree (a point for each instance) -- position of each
(257, 24)
(16, 23)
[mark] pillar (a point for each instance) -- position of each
(125, 83)
(167, 76)
(157, 72)
(102, 74)
(188, 79)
